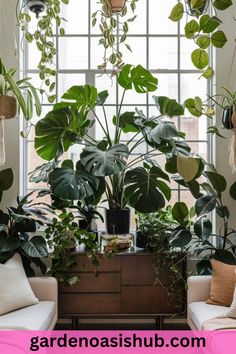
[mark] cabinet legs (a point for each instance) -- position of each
(74, 322)
(160, 322)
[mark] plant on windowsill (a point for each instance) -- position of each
(43, 37)
(202, 28)
(106, 166)
(113, 20)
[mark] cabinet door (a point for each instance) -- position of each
(84, 264)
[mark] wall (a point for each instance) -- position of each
(8, 53)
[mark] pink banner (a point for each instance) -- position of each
(102, 342)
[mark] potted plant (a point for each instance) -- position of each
(105, 167)
(197, 7)
(227, 102)
(13, 93)
(16, 226)
(113, 15)
(63, 235)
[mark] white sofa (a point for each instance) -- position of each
(198, 311)
(42, 316)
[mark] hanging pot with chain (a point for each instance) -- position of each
(117, 5)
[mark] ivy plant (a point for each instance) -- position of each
(202, 28)
(43, 37)
(109, 24)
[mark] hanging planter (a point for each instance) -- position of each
(227, 113)
(196, 10)
(7, 107)
(117, 5)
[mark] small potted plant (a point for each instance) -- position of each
(117, 5)
(197, 7)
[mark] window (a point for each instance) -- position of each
(157, 43)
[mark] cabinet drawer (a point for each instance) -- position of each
(138, 270)
(84, 264)
(147, 300)
(89, 304)
(103, 283)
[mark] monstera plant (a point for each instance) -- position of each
(107, 166)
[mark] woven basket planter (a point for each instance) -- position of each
(7, 107)
(117, 5)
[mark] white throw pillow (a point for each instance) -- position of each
(15, 290)
(232, 310)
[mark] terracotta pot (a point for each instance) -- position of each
(117, 5)
(7, 107)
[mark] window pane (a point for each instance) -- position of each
(138, 54)
(191, 86)
(194, 128)
(73, 53)
(65, 81)
(163, 53)
(76, 15)
(187, 47)
(159, 23)
(105, 82)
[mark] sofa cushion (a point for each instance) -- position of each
(232, 310)
(15, 291)
(200, 312)
(222, 283)
(35, 317)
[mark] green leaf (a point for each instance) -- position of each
(197, 4)
(209, 24)
(208, 73)
(218, 39)
(203, 42)
(218, 181)
(8, 244)
(205, 204)
(180, 212)
(191, 28)
(200, 58)
(224, 256)
(58, 131)
(168, 107)
(232, 191)
(194, 106)
(204, 267)
(181, 238)
(6, 179)
(142, 190)
(177, 12)
(222, 4)
(79, 97)
(138, 78)
(72, 185)
(127, 122)
(203, 227)
(188, 167)
(105, 162)
(36, 247)
(163, 130)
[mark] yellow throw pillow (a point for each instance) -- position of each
(222, 283)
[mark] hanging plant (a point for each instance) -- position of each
(202, 28)
(43, 37)
(112, 20)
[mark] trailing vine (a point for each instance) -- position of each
(44, 39)
(109, 24)
(202, 28)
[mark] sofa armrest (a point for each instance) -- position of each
(44, 288)
(199, 288)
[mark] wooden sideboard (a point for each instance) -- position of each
(123, 288)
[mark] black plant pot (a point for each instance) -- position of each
(192, 11)
(118, 221)
(141, 240)
(227, 113)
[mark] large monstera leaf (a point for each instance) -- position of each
(168, 107)
(105, 162)
(58, 131)
(138, 78)
(70, 184)
(144, 191)
(80, 98)
(162, 131)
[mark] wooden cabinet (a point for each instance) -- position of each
(124, 287)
